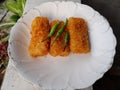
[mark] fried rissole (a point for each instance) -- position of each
(57, 48)
(40, 30)
(78, 31)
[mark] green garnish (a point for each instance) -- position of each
(60, 31)
(52, 31)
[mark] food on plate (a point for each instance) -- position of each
(66, 40)
(57, 44)
(40, 30)
(52, 31)
(58, 38)
(79, 42)
(60, 31)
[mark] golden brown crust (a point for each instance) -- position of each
(78, 42)
(40, 30)
(78, 35)
(58, 47)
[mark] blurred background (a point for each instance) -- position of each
(110, 9)
(10, 12)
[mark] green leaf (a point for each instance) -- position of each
(16, 7)
(20, 12)
(1, 7)
(14, 18)
(7, 24)
(6, 62)
(4, 39)
(21, 4)
(12, 7)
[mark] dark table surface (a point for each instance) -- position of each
(110, 9)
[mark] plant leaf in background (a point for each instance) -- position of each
(4, 39)
(14, 18)
(1, 7)
(13, 13)
(16, 7)
(21, 4)
(12, 6)
(6, 25)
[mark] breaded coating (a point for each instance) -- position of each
(78, 31)
(40, 30)
(57, 48)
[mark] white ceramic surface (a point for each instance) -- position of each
(75, 71)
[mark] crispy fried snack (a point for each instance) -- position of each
(78, 35)
(58, 47)
(40, 30)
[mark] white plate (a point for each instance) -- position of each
(76, 70)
